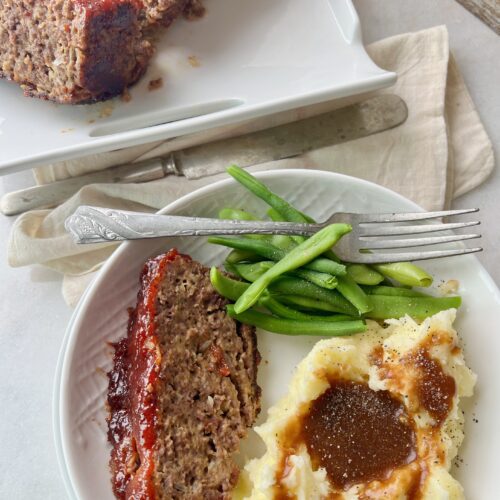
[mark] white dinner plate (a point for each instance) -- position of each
(243, 59)
(101, 317)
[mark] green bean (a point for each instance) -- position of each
(237, 214)
(405, 273)
(251, 272)
(297, 257)
(227, 287)
(274, 215)
(364, 275)
(260, 190)
(393, 291)
(242, 255)
(279, 309)
(307, 303)
(231, 268)
(295, 327)
(268, 251)
(287, 211)
(353, 293)
(262, 248)
(323, 280)
(288, 285)
(280, 240)
(384, 307)
(327, 266)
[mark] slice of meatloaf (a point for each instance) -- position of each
(80, 51)
(183, 389)
(72, 51)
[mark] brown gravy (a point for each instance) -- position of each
(435, 389)
(355, 433)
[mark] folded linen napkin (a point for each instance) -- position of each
(440, 152)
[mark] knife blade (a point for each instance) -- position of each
(351, 122)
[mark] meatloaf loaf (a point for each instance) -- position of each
(78, 51)
(183, 388)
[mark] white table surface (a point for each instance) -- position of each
(34, 315)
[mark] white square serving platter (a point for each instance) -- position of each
(243, 59)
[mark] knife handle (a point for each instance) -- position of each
(54, 193)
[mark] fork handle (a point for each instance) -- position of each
(97, 225)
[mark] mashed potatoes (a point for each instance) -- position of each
(370, 416)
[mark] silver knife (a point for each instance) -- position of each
(284, 141)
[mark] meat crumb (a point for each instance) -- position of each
(106, 110)
(155, 84)
(126, 96)
(194, 10)
(194, 61)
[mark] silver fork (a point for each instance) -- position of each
(369, 231)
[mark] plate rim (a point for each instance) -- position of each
(56, 393)
(69, 339)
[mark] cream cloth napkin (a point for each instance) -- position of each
(440, 152)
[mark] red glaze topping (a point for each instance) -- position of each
(132, 394)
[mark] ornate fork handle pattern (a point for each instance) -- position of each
(96, 225)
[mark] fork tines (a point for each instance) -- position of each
(412, 216)
(371, 227)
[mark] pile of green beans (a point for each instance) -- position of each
(295, 285)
